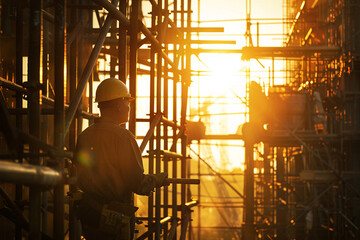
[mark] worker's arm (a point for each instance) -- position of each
(150, 182)
(133, 172)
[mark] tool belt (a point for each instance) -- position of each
(112, 217)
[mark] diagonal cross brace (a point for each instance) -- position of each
(150, 132)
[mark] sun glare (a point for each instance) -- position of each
(223, 74)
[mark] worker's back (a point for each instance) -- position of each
(109, 161)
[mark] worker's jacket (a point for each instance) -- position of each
(109, 163)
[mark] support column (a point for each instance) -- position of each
(267, 190)
(249, 231)
(152, 114)
(122, 46)
(59, 117)
(134, 36)
(159, 72)
(74, 224)
(18, 78)
(281, 209)
(34, 111)
(174, 149)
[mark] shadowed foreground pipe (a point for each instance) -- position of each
(28, 174)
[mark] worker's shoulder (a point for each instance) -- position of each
(108, 129)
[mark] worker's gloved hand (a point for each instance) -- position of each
(160, 179)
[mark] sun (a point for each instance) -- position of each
(223, 74)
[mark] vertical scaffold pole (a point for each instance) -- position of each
(122, 46)
(134, 36)
(34, 111)
(159, 73)
(152, 114)
(18, 79)
(59, 117)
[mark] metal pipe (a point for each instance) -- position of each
(113, 60)
(173, 232)
(59, 117)
(182, 181)
(73, 73)
(185, 80)
(249, 231)
(34, 110)
(122, 18)
(114, 12)
(150, 132)
(152, 118)
(167, 122)
(218, 174)
(13, 86)
(122, 45)
(46, 100)
(18, 80)
(165, 128)
(134, 38)
(158, 126)
(157, 8)
(28, 174)
(87, 71)
(157, 45)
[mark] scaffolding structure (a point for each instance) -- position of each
(302, 171)
(52, 55)
(307, 181)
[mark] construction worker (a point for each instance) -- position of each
(110, 169)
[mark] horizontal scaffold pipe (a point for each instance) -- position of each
(28, 174)
(12, 86)
(296, 51)
(45, 100)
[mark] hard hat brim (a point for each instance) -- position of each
(130, 99)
